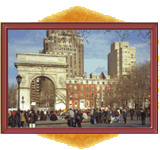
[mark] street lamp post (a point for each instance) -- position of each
(18, 78)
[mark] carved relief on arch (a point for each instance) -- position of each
(60, 59)
(61, 80)
(22, 58)
(42, 69)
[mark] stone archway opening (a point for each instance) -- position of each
(42, 93)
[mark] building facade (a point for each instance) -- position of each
(121, 59)
(69, 44)
(88, 93)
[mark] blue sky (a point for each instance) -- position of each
(95, 53)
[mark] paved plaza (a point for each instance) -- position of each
(130, 123)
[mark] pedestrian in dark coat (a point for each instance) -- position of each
(131, 113)
(138, 113)
(79, 118)
(53, 117)
(103, 116)
(75, 118)
(108, 116)
(95, 116)
(27, 118)
(124, 113)
(9, 119)
(149, 114)
(143, 116)
(32, 117)
(17, 118)
(43, 116)
(99, 116)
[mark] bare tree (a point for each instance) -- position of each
(134, 87)
(12, 95)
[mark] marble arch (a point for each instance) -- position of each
(31, 66)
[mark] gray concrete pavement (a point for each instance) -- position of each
(86, 123)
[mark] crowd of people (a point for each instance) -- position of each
(28, 118)
(105, 116)
(74, 117)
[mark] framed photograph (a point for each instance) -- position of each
(79, 78)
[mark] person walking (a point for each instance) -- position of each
(13, 119)
(32, 119)
(22, 118)
(119, 114)
(131, 113)
(112, 114)
(75, 118)
(116, 115)
(43, 116)
(27, 118)
(103, 116)
(108, 116)
(124, 113)
(138, 113)
(53, 117)
(149, 115)
(95, 116)
(85, 115)
(92, 116)
(99, 116)
(10, 118)
(143, 116)
(79, 118)
(71, 115)
(17, 118)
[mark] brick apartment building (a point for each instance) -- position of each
(86, 93)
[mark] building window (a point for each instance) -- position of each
(81, 87)
(87, 95)
(98, 87)
(70, 103)
(92, 103)
(76, 95)
(70, 94)
(75, 87)
(87, 103)
(75, 103)
(92, 88)
(81, 95)
(87, 88)
(92, 95)
(70, 87)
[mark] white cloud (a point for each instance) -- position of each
(139, 45)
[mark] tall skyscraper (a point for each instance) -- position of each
(121, 59)
(68, 43)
